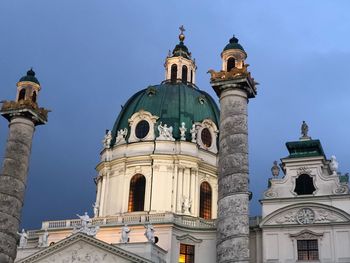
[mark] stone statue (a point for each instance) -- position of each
(85, 219)
(107, 139)
(165, 132)
(121, 135)
(275, 170)
(23, 239)
(333, 165)
(96, 209)
(125, 234)
(44, 239)
(149, 233)
(186, 205)
(183, 131)
(86, 226)
(304, 130)
(193, 132)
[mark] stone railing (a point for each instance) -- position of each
(135, 219)
(143, 218)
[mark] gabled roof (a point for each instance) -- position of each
(80, 237)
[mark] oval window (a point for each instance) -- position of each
(206, 137)
(142, 129)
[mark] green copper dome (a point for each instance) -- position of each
(30, 77)
(173, 104)
(233, 44)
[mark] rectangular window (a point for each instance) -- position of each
(307, 249)
(186, 254)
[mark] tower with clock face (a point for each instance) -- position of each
(306, 212)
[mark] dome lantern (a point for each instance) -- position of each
(233, 55)
(28, 87)
(179, 65)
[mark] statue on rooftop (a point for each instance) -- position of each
(85, 226)
(149, 233)
(23, 239)
(96, 208)
(165, 132)
(44, 239)
(193, 132)
(85, 219)
(121, 135)
(275, 170)
(107, 139)
(183, 130)
(125, 234)
(304, 130)
(333, 165)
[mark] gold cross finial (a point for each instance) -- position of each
(182, 36)
(182, 29)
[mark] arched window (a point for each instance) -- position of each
(22, 94)
(173, 73)
(191, 76)
(137, 193)
(205, 201)
(230, 63)
(34, 97)
(184, 74)
(304, 185)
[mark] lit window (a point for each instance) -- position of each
(142, 129)
(307, 249)
(137, 193)
(205, 201)
(186, 254)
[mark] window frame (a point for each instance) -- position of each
(187, 255)
(308, 249)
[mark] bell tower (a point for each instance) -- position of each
(23, 115)
(234, 86)
(179, 65)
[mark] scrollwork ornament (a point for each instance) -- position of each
(270, 194)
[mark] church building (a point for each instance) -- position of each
(157, 187)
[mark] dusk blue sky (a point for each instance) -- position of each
(91, 56)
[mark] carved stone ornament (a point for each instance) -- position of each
(305, 216)
(342, 189)
(306, 235)
(270, 194)
(304, 170)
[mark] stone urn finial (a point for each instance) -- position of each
(275, 170)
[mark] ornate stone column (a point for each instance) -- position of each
(234, 88)
(23, 115)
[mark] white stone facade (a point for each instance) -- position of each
(321, 216)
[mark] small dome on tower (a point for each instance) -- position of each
(233, 44)
(30, 77)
